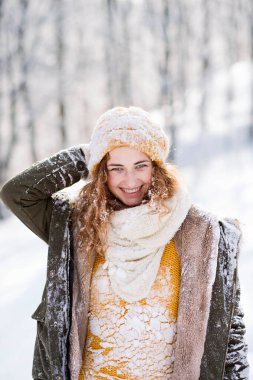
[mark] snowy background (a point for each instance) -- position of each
(189, 62)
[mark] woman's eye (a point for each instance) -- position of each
(141, 166)
(116, 169)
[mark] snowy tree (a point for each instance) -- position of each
(64, 63)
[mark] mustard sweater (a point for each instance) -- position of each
(132, 340)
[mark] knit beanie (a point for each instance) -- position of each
(126, 127)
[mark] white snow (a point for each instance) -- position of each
(23, 272)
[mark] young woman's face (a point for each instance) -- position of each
(129, 175)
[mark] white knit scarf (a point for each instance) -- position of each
(137, 237)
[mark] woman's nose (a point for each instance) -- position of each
(131, 179)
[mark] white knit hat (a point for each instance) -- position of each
(132, 127)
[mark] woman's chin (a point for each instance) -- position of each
(131, 201)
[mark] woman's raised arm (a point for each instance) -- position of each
(29, 194)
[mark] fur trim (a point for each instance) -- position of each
(83, 265)
(197, 244)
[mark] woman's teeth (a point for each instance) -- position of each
(132, 190)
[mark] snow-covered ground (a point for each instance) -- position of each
(22, 275)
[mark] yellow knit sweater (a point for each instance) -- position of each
(132, 340)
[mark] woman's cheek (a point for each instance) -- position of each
(113, 179)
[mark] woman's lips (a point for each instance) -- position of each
(132, 192)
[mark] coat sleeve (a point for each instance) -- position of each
(236, 364)
(29, 194)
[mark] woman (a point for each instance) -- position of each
(140, 283)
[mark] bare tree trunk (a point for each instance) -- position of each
(110, 47)
(182, 27)
(12, 97)
(164, 63)
(118, 53)
(231, 33)
(205, 59)
(166, 89)
(1, 107)
(159, 22)
(125, 90)
(25, 66)
(251, 56)
(60, 56)
(1, 92)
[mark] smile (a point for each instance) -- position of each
(129, 191)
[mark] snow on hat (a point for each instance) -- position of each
(131, 127)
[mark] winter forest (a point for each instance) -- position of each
(63, 63)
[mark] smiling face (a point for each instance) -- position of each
(129, 175)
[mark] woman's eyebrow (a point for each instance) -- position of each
(140, 162)
(115, 165)
(136, 163)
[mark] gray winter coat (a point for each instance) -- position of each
(210, 330)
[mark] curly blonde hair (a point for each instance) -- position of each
(96, 203)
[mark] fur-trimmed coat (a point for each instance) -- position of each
(210, 329)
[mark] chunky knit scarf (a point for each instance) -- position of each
(136, 240)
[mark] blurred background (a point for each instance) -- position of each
(63, 63)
